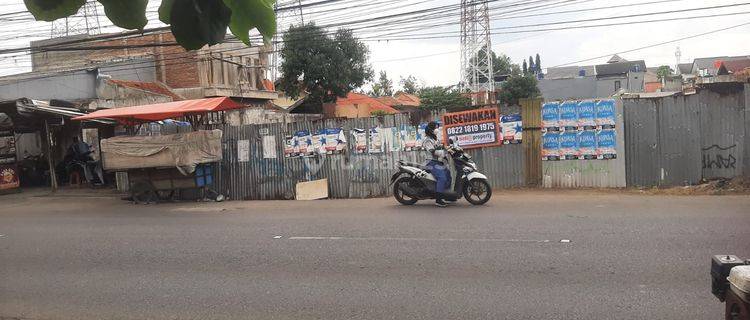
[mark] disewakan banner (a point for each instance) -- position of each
(473, 129)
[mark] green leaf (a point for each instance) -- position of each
(130, 14)
(165, 11)
(51, 10)
(196, 23)
(249, 14)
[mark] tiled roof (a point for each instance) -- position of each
(407, 99)
(154, 87)
(736, 65)
(357, 98)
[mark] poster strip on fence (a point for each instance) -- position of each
(473, 129)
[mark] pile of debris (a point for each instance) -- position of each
(738, 185)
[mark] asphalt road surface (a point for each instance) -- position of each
(629, 257)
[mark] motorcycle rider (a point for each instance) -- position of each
(438, 164)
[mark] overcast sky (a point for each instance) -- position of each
(436, 61)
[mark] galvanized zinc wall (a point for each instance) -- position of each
(680, 140)
(350, 175)
(590, 173)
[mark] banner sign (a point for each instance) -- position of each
(473, 128)
(551, 146)
(605, 114)
(551, 116)
(605, 144)
(512, 128)
(586, 115)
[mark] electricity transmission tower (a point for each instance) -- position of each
(86, 21)
(476, 48)
(288, 13)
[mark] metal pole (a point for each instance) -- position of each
(50, 161)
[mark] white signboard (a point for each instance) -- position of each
(243, 150)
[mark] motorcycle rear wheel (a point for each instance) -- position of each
(399, 194)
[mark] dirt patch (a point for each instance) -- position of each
(738, 185)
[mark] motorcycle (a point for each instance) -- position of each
(414, 182)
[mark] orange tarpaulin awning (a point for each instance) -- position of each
(162, 111)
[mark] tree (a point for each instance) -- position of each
(436, 98)
(525, 67)
(325, 66)
(194, 23)
(518, 87)
(663, 72)
(538, 64)
(409, 84)
(532, 67)
(502, 65)
(384, 86)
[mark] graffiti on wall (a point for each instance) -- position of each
(718, 157)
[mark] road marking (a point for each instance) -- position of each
(2, 235)
(564, 241)
(418, 239)
(277, 237)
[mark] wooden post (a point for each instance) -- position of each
(50, 160)
(531, 115)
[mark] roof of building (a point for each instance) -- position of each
(616, 59)
(712, 63)
(407, 99)
(569, 72)
(161, 111)
(357, 98)
(730, 67)
(153, 87)
(685, 68)
(620, 68)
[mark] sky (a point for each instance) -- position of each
(436, 61)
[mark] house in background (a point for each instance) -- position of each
(598, 81)
(356, 105)
(620, 75)
(709, 67)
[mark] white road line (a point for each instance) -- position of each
(2, 235)
(418, 239)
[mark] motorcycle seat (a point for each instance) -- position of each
(416, 165)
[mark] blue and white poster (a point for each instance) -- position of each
(376, 140)
(569, 115)
(360, 140)
(569, 145)
(551, 116)
(290, 148)
(318, 142)
(587, 145)
(586, 115)
(606, 144)
(512, 128)
(605, 114)
(409, 137)
(304, 142)
(551, 146)
(335, 141)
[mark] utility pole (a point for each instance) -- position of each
(678, 56)
(288, 14)
(86, 21)
(477, 74)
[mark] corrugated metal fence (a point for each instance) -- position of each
(350, 175)
(680, 140)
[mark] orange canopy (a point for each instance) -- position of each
(162, 111)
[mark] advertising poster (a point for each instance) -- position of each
(409, 137)
(569, 145)
(605, 114)
(243, 150)
(8, 177)
(551, 116)
(360, 140)
(376, 141)
(550, 146)
(269, 147)
(335, 142)
(587, 145)
(392, 137)
(605, 144)
(420, 134)
(472, 129)
(304, 142)
(289, 147)
(512, 128)
(318, 141)
(587, 115)
(569, 115)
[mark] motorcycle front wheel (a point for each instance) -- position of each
(400, 195)
(477, 192)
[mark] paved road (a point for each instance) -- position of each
(630, 257)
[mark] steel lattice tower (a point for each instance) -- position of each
(86, 21)
(476, 56)
(288, 14)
